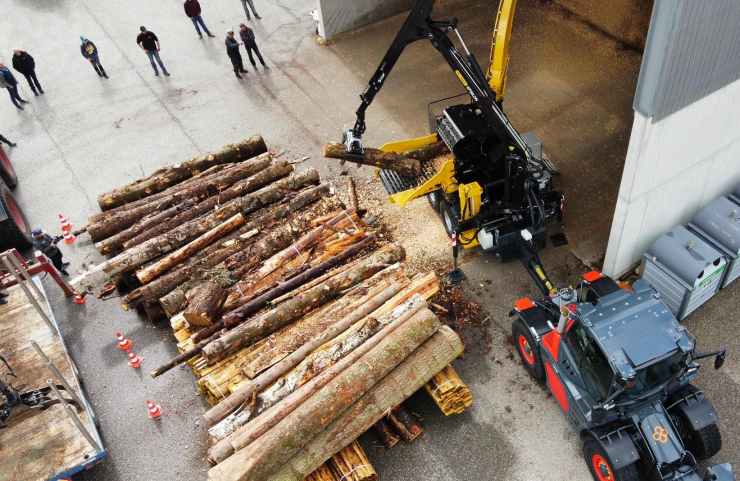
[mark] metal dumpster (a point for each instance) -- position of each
(719, 224)
(685, 269)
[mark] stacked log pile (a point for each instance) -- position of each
(299, 321)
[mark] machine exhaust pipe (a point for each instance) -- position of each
(563, 322)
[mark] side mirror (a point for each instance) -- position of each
(720, 359)
(598, 413)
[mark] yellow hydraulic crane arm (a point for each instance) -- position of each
(499, 63)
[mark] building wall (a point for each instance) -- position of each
(337, 17)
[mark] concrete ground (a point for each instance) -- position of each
(86, 135)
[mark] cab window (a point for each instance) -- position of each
(596, 372)
(576, 341)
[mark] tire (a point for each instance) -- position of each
(449, 218)
(434, 198)
(528, 349)
(702, 443)
(14, 231)
(7, 173)
(596, 459)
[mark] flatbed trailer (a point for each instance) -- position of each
(41, 444)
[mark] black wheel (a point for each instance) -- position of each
(434, 198)
(14, 231)
(600, 466)
(528, 349)
(702, 443)
(449, 217)
(7, 173)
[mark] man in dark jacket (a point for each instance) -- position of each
(192, 10)
(24, 63)
(90, 52)
(232, 50)
(247, 35)
(149, 43)
(8, 81)
(45, 244)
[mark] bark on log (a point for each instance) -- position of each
(233, 422)
(185, 233)
(428, 152)
(406, 425)
(154, 312)
(385, 160)
(265, 456)
(386, 434)
(352, 193)
(239, 189)
(171, 175)
(206, 306)
(408, 377)
(167, 262)
(296, 307)
(218, 253)
(114, 222)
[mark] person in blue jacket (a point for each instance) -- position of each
(8, 81)
(90, 52)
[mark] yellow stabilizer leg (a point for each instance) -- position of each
(442, 179)
(410, 144)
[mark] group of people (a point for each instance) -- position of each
(24, 64)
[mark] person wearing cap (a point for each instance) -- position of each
(8, 81)
(232, 50)
(192, 10)
(149, 43)
(45, 244)
(247, 35)
(251, 4)
(26, 65)
(90, 52)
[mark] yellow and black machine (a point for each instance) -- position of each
(497, 191)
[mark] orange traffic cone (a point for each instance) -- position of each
(123, 343)
(79, 299)
(66, 226)
(68, 237)
(133, 360)
(154, 410)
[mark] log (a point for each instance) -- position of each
(271, 414)
(154, 312)
(299, 305)
(352, 193)
(385, 160)
(206, 306)
(112, 223)
(214, 255)
(266, 455)
(428, 152)
(185, 233)
(406, 425)
(386, 434)
(240, 189)
(167, 176)
(438, 351)
(176, 257)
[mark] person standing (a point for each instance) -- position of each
(192, 10)
(90, 52)
(251, 4)
(149, 43)
(44, 243)
(8, 81)
(247, 35)
(10, 144)
(26, 65)
(232, 50)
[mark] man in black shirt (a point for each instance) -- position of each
(25, 64)
(149, 43)
(232, 50)
(44, 243)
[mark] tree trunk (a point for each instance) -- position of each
(352, 193)
(218, 253)
(428, 152)
(174, 174)
(206, 305)
(190, 230)
(299, 305)
(406, 425)
(386, 434)
(166, 263)
(241, 188)
(212, 186)
(266, 455)
(154, 312)
(402, 382)
(385, 160)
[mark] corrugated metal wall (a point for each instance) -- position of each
(693, 49)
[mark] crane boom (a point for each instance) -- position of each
(499, 61)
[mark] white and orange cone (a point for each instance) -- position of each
(66, 226)
(133, 359)
(154, 410)
(123, 343)
(68, 237)
(79, 299)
